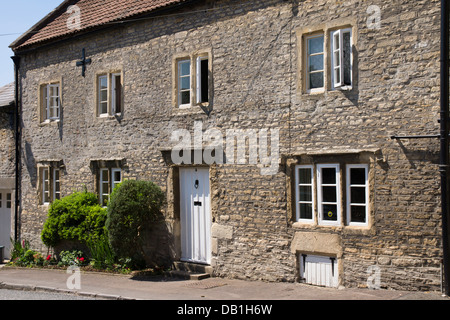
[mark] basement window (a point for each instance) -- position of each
(319, 270)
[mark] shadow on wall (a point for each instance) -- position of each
(30, 163)
(159, 247)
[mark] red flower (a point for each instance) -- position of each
(81, 259)
(49, 257)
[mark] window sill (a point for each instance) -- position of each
(347, 229)
(109, 116)
(191, 109)
(315, 91)
(49, 122)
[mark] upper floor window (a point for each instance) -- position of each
(109, 94)
(184, 83)
(50, 102)
(193, 81)
(333, 73)
(341, 62)
(316, 62)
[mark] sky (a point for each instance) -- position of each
(16, 17)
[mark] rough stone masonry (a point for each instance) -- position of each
(258, 56)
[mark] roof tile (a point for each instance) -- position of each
(94, 13)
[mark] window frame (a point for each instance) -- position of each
(179, 82)
(114, 183)
(343, 194)
(340, 33)
(46, 99)
(115, 101)
(200, 80)
(46, 181)
(297, 193)
(348, 193)
(112, 103)
(56, 192)
(320, 201)
(308, 55)
(110, 182)
(100, 90)
(8, 200)
(102, 193)
(47, 187)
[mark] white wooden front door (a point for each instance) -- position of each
(319, 270)
(5, 221)
(195, 215)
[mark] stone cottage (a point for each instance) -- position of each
(268, 123)
(7, 164)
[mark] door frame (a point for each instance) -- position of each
(207, 222)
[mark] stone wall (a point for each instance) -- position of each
(255, 49)
(7, 147)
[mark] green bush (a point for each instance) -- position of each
(132, 209)
(77, 217)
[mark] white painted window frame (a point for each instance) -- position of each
(104, 194)
(348, 192)
(297, 191)
(337, 58)
(46, 190)
(114, 182)
(179, 79)
(323, 71)
(56, 181)
(100, 112)
(320, 201)
(48, 106)
(109, 174)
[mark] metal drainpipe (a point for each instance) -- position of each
(16, 60)
(444, 155)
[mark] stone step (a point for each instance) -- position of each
(186, 275)
(192, 267)
(190, 271)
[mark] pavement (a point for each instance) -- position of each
(127, 287)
